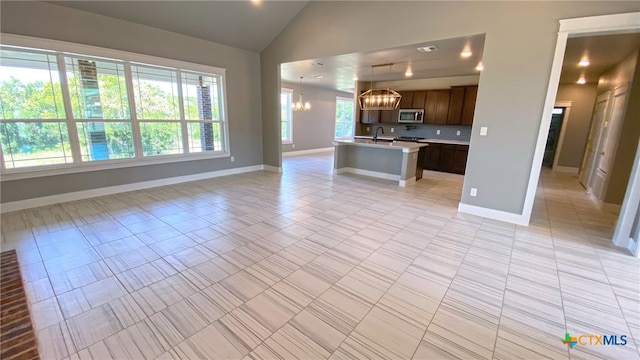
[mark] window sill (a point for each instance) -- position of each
(287, 142)
(18, 174)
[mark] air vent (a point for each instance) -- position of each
(426, 49)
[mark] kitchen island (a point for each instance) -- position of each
(391, 160)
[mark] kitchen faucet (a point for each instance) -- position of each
(375, 136)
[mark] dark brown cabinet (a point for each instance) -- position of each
(470, 95)
(370, 116)
(406, 101)
(462, 105)
(446, 157)
(456, 102)
(418, 99)
(389, 116)
(432, 157)
(437, 106)
(460, 159)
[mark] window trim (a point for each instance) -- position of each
(288, 141)
(335, 117)
(63, 48)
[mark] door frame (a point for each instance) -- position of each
(593, 25)
(563, 127)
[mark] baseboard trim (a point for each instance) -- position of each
(610, 208)
(567, 169)
(270, 168)
(306, 152)
(512, 218)
(109, 190)
(375, 174)
(408, 182)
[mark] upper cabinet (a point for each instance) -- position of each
(470, 94)
(436, 106)
(462, 105)
(442, 107)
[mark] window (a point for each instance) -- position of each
(344, 118)
(76, 110)
(33, 123)
(100, 108)
(286, 96)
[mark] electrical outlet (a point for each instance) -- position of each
(233, 158)
(437, 132)
(293, 145)
(458, 132)
(483, 131)
(393, 129)
(368, 128)
(474, 192)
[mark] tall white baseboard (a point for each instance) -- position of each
(567, 169)
(306, 152)
(109, 190)
(512, 218)
(270, 168)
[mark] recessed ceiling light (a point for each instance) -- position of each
(480, 67)
(408, 73)
(256, 2)
(584, 62)
(317, 76)
(426, 49)
(466, 54)
(582, 80)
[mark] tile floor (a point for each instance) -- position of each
(307, 265)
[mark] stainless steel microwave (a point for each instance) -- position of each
(411, 116)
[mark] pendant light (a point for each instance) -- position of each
(379, 99)
(301, 105)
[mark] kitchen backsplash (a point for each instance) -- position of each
(447, 132)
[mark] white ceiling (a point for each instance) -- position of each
(603, 52)
(338, 71)
(242, 23)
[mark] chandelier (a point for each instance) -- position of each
(379, 99)
(301, 105)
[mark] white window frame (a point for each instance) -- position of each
(63, 48)
(335, 124)
(290, 117)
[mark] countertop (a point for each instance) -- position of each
(435, 141)
(382, 144)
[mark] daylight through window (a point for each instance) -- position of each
(59, 110)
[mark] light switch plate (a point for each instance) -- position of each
(437, 132)
(483, 131)
(474, 192)
(458, 132)
(393, 129)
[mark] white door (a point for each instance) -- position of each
(597, 119)
(608, 147)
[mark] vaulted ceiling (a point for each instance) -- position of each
(249, 25)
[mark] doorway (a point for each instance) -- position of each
(550, 149)
(582, 27)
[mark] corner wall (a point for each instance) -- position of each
(582, 99)
(512, 86)
(314, 129)
(45, 20)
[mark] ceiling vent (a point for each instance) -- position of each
(426, 49)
